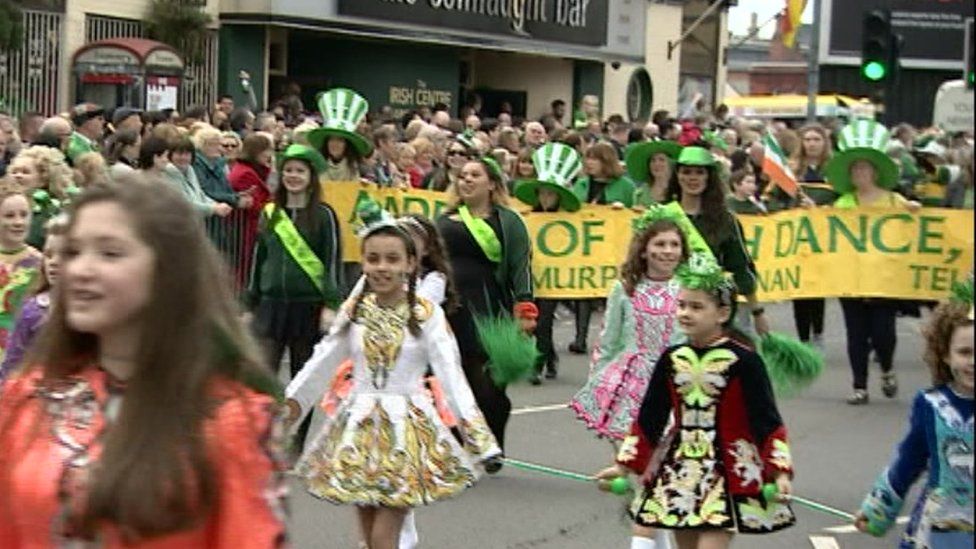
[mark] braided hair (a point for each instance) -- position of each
(436, 258)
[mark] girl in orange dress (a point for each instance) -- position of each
(127, 428)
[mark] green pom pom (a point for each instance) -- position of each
(962, 292)
(620, 486)
(511, 353)
(792, 365)
(769, 492)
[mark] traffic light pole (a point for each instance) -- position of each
(813, 65)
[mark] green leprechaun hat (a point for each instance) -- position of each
(556, 168)
(297, 151)
(342, 110)
(861, 140)
(638, 157)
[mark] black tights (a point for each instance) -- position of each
(543, 331)
(299, 351)
(809, 317)
(870, 325)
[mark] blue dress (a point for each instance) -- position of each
(940, 440)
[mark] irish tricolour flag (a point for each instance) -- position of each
(775, 166)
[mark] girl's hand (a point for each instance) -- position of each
(861, 522)
(761, 324)
(784, 487)
(606, 476)
(294, 411)
(326, 319)
(617, 205)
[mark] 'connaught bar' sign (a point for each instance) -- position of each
(569, 21)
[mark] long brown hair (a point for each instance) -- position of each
(715, 216)
(947, 318)
(306, 218)
(605, 153)
(436, 258)
(154, 476)
(499, 195)
(799, 160)
(634, 268)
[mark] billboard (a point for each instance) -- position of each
(581, 22)
(933, 30)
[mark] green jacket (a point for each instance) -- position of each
(731, 253)
(620, 190)
(275, 274)
(514, 272)
(740, 206)
(79, 145)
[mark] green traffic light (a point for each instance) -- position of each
(874, 70)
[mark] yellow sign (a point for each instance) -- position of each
(798, 253)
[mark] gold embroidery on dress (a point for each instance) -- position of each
(384, 330)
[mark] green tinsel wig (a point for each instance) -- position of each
(654, 214)
(962, 292)
(512, 354)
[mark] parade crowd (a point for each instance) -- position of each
(157, 268)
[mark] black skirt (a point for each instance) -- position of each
(279, 320)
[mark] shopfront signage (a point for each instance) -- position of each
(567, 21)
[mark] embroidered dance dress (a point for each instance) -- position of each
(939, 440)
(727, 440)
(386, 445)
(32, 317)
(636, 328)
(18, 271)
(52, 437)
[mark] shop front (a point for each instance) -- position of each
(404, 55)
(130, 72)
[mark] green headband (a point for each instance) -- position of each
(702, 272)
(654, 214)
(494, 167)
(962, 292)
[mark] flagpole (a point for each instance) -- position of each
(813, 65)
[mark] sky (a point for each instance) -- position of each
(739, 16)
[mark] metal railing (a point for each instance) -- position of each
(30, 76)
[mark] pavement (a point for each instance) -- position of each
(838, 452)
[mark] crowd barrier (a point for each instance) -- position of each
(821, 252)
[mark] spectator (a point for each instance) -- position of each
(441, 119)
(557, 109)
(424, 159)
(446, 176)
(45, 176)
(90, 169)
(123, 152)
(55, 132)
(194, 114)
(504, 120)
(241, 122)
(385, 173)
(153, 158)
(472, 122)
(406, 161)
(226, 104)
(127, 118)
(249, 175)
(184, 179)
(30, 126)
(211, 169)
(230, 147)
(5, 154)
(338, 139)
(535, 135)
(89, 122)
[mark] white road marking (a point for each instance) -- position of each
(824, 542)
(850, 529)
(537, 409)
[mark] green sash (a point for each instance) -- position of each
(696, 241)
(297, 247)
(483, 234)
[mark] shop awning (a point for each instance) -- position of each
(127, 56)
(795, 106)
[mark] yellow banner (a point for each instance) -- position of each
(798, 253)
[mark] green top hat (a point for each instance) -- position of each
(696, 156)
(861, 140)
(556, 168)
(298, 151)
(638, 157)
(342, 110)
